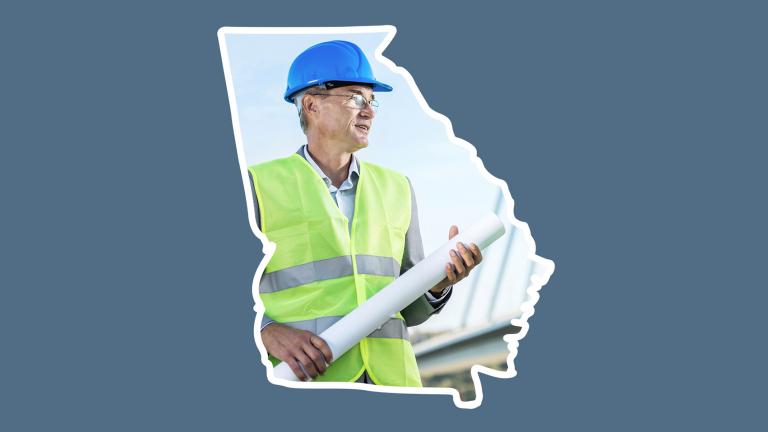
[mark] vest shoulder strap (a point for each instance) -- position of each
(380, 171)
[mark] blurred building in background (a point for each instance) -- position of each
(470, 329)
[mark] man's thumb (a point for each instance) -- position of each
(453, 232)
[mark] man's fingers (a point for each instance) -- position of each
(450, 274)
(296, 369)
(476, 251)
(307, 364)
(320, 344)
(466, 255)
(317, 358)
(304, 352)
(457, 263)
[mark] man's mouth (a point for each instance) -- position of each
(362, 127)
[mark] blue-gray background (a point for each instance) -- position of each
(630, 134)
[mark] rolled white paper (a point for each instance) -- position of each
(393, 298)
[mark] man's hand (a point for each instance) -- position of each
(299, 348)
(462, 260)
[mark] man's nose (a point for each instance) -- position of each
(368, 111)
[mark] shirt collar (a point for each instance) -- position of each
(347, 184)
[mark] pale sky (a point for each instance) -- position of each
(449, 188)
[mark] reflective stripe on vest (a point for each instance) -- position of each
(321, 272)
(330, 268)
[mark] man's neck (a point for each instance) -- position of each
(333, 162)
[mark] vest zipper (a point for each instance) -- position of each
(361, 297)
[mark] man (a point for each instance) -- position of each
(344, 229)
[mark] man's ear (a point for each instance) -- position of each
(308, 103)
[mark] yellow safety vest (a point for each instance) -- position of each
(320, 272)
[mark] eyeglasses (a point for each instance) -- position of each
(357, 100)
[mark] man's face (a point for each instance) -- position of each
(338, 119)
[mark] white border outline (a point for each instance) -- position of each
(537, 280)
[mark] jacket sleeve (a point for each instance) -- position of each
(426, 305)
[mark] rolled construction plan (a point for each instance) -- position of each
(393, 298)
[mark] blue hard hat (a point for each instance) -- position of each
(331, 62)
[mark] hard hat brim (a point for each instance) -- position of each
(377, 86)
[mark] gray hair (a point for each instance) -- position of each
(297, 101)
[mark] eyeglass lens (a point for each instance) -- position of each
(360, 102)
